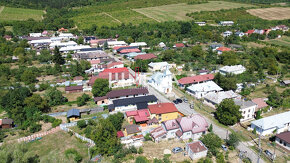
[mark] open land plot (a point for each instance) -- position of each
(275, 13)
(284, 41)
(51, 148)
(11, 14)
(178, 11)
(130, 16)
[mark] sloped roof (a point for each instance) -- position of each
(158, 132)
(162, 108)
(244, 104)
(218, 97)
(223, 49)
(127, 92)
(100, 98)
(112, 64)
(7, 121)
(145, 56)
(277, 120)
(260, 102)
(73, 112)
(205, 87)
(179, 45)
(132, 129)
(133, 101)
(196, 79)
(171, 124)
(120, 134)
(73, 88)
(194, 123)
(285, 136)
(196, 147)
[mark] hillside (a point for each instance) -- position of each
(11, 14)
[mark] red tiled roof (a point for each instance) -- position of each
(196, 147)
(250, 31)
(223, 49)
(116, 70)
(145, 56)
(140, 119)
(196, 79)
(162, 108)
(72, 88)
(179, 45)
(0, 122)
(131, 113)
(260, 102)
(130, 51)
(139, 115)
(62, 29)
(120, 134)
(114, 64)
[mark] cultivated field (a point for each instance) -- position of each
(275, 13)
(178, 11)
(10, 14)
(284, 41)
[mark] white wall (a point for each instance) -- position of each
(248, 113)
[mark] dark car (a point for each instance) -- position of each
(179, 100)
(175, 102)
(177, 150)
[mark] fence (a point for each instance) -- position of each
(38, 135)
(64, 128)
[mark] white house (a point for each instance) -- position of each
(112, 44)
(196, 150)
(76, 48)
(158, 66)
(227, 33)
(161, 45)
(66, 36)
(226, 23)
(202, 89)
(240, 34)
(35, 34)
(215, 98)
(200, 23)
(162, 81)
(142, 44)
(277, 123)
(237, 69)
(62, 44)
(247, 108)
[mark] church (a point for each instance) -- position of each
(162, 81)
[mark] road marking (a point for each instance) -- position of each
(112, 17)
(1, 8)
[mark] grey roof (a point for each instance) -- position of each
(132, 101)
(278, 120)
(91, 55)
(7, 121)
(73, 113)
(244, 104)
(127, 92)
(132, 129)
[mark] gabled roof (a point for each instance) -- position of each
(78, 78)
(218, 97)
(72, 113)
(73, 88)
(162, 108)
(133, 101)
(100, 98)
(250, 31)
(196, 147)
(158, 132)
(139, 115)
(278, 121)
(120, 134)
(7, 121)
(127, 92)
(171, 124)
(116, 70)
(145, 56)
(285, 136)
(194, 123)
(179, 45)
(223, 49)
(205, 87)
(136, 50)
(112, 64)
(196, 79)
(132, 129)
(244, 104)
(96, 61)
(260, 102)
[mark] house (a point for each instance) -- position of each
(146, 56)
(139, 44)
(283, 139)
(200, 23)
(131, 130)
(73, 89)
(161, 45)
(202, 89)
(120, 134)
(78, 79)
(73, 114)
(215, 46)
(158, 134)
(6, 123)
(220, 50)
(283, 28)
(240, 34)
(112, 44)
(66, 36)
(273, 124)
(267, 31)
(259, 31)
(139, 117)
(90, 55)
(134, 103)
(35, 35)
(285, 82)
(247, 108)
(62, 30)
(226, 23)
(7, 37)
(77, 48)
(120, 94)
(227, 33)
(95, 62)
(203, 72)
(88, 50)
(235, 46)
(215, 98)
(126, 51)
(161, 81)
(249, 32)
(158, 66)
(87, 39)
(63, 44)
(163, 111)
(179, 45)
(196, 150)
(115, 65)
(195, 79)
(236, 69)
(135, 140)
(261, 104)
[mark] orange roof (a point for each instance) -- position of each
(162, 108)
(179, 45)
(196, 79)
(116, 70)
(223, 49)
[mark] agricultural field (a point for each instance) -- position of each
(283, 41)
(10, 14)
(275, 13)
(178, 11)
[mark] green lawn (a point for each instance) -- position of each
(283, 41)
(178, 11)
(10, 14)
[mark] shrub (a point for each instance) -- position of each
(140, 150)
(81, 124)
(56, 122)
(35, 127)
(147, 137)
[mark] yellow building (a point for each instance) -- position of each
(163, 112)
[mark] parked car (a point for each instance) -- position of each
(270, 154)
(185, 100)
(175, 102)
(179, 100)
(177, 150)
(225, 148)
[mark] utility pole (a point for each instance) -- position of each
(259, 148)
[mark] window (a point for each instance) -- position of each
(249, 110)
(244, 112)
(248, 116)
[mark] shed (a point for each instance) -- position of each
(73, 114)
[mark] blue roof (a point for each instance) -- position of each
(73, 113)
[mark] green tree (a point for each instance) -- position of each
(17, 153)
(228, 113)
(210, 129)
(117, 120)
(100, 87)
(233, 140)
(57, 58)
(36, 101)
(81, 124)
(258, 114)
(80, 40)
(212, 142)
(274, 99)
(141, 159)
(83, 99)
(55, 97)
(28, 77)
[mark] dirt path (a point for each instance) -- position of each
(147, 16)
(1, 8)
(112, 17)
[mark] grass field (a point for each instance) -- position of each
(283, 41)
(275, 13)
(11, 14)
(178, 11)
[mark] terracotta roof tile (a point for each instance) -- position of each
(196, 79)
(162, 108)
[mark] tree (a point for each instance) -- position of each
(233, 140)
(141, 159)
(100, 87)
(17, 153)
(55, 97)
(258, 114)
(28, 77)
(116, 120)
(105, 136)
(274, 99)
(83, 99)
(57, 58)
(36, 101)
(81, 124)
(228, 113)
(212, 142)
(80, 40)
(210, 128)
(228, 82)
